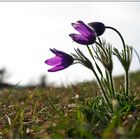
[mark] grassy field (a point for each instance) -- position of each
(77, 111)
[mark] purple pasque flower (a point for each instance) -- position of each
(61, 60)
(87, 35)
(99, 27)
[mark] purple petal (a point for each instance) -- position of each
(54, 61)
(58, 53)
(57, 68)
(86, 27)
(60, 61)
(81, 39)
(82, 28)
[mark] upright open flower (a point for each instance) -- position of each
(98, 27)
(61, 61)
(87, 35)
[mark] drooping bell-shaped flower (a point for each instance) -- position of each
(87, 35)
(61, 60)
(99, 27)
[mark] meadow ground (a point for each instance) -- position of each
(76, 111)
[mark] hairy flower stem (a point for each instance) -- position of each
(112, 85)
(99, 82)
(102, 89)
(125, 56)
(120, 37)
(127, 82)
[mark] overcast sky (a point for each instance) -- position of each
(29, 29)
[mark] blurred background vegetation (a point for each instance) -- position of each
(76, 111)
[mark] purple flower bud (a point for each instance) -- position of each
(87, 35)
(98, 27)
(61, 60)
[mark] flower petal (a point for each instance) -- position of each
(61, 61)
(58, 53)
(57, 68)
(86, 26)
(81, 39)
(82, 28)
(54, 61)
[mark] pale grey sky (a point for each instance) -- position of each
(29, 29)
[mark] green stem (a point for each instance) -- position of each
(102, 89)
(126, 82)
(112, 85)
(100, 42)
(120, 37)
(90, 52)
(99, 82)
(125, 55)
